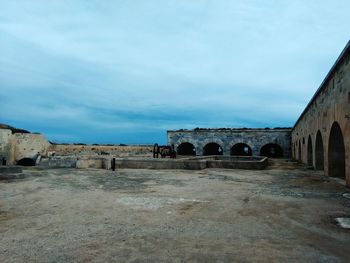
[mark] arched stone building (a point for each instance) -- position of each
(320, 136)
(242, 142)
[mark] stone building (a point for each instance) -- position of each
(244, 142)
(16, 146)
(320, 136)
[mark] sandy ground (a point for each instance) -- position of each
(282, 214)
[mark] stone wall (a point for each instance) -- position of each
(5, 137)
(21, 145)
(227, 138)
(27, 145)
(320, 137)
(117, 150)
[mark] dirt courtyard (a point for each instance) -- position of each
(281, 214)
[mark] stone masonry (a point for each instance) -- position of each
(321, 135)
(227, 138)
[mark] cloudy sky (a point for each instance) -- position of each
(126, 71)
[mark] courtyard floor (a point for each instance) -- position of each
(282, 214)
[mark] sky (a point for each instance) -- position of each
(120, 71)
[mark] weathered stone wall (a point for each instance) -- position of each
(27, 145)
(227, 138)
(5, 137)
(118, 150)
(330, 107)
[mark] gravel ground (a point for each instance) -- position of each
(283, 214)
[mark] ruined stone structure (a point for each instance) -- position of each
(235, 142)
(16, 146)
(321, 136)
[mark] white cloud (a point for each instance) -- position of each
(196, 62)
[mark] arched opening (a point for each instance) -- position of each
(26, 162)
(319, 155)
(241, 149)
(271, 150)
(336, 152)
(293, 151)
(186, 148)
(299, 152)
(212, 149)
(309, 151)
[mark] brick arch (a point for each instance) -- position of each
(213, 148)
(186, 140)
(186, 148)
(319, 152)
(310, 157)
(273, 150)
(241, 149)
(336, 152)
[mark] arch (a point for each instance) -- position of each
(26, 162)
(319, 152)
(186, 148)
(293, 151)
(212, 149)
(299, 152)
(336, 152)
(309, 151)
(241, 149)
(272, 150)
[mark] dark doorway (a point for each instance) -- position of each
(299, 152)
(309, 152)
(271, 150)
(212, 149)
(319, 155)
(241, 149)
(26, 162)
(186, 148)
(294, 151)
(336, 152)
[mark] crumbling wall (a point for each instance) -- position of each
(27, 145)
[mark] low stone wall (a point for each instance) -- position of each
(97, 163)
(161, 164)
(59, 162)
(254, 163)
(118, 150)
(199, 163)
(76, 162)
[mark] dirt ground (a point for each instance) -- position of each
(282, 214)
